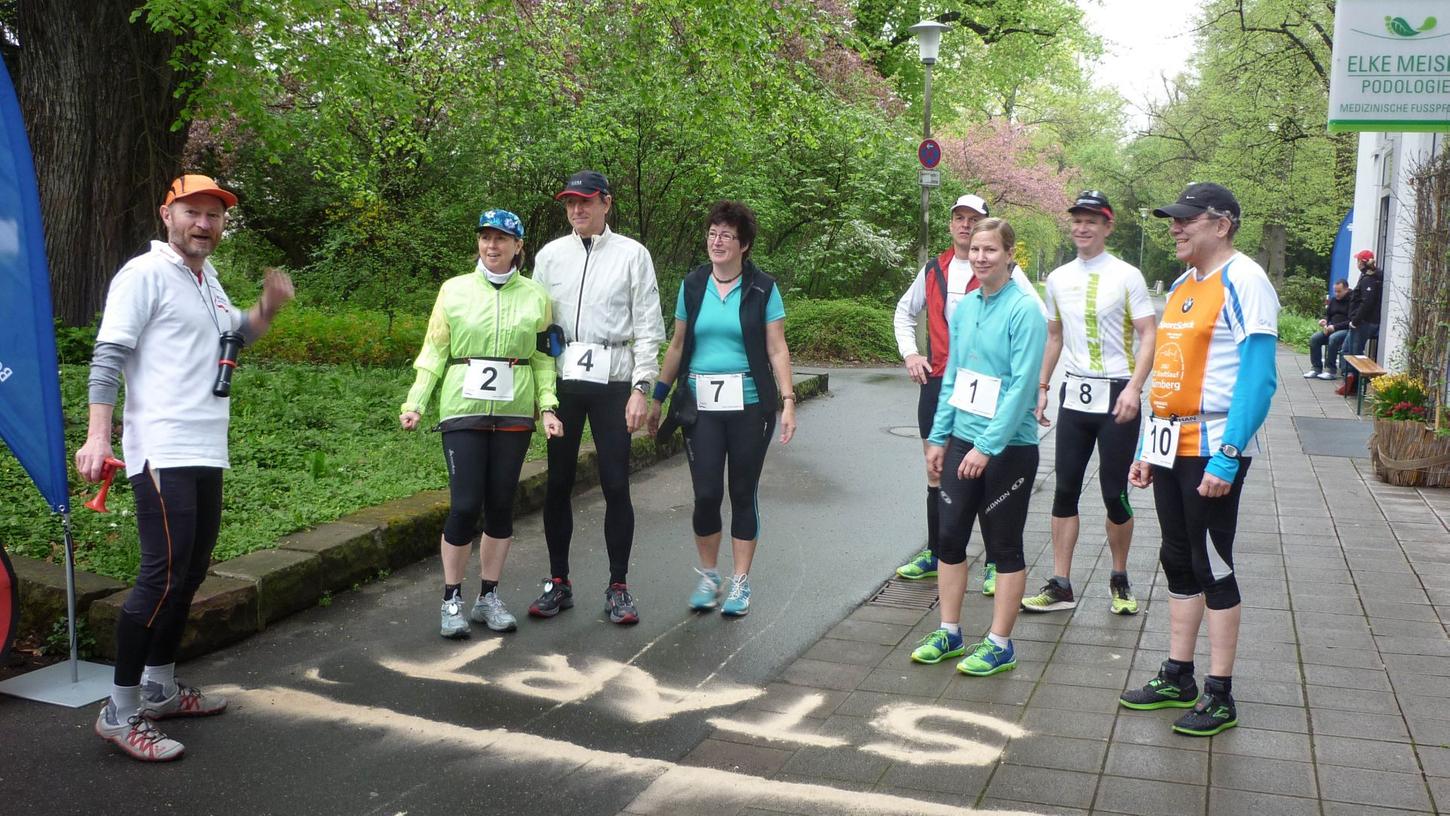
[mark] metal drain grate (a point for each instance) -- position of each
(901, 594)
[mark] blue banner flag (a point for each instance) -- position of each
(1339, 260)
(30, 412)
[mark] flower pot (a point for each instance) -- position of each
(1410, 454)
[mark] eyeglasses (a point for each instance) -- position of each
(1184, 222)
(713, 237)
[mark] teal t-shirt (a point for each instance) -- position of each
(719, 345)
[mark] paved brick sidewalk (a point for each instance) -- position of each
(1343, 676)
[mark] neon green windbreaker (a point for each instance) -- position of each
(473, 319)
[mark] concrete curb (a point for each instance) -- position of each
(247, 594)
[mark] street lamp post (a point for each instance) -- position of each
(928, 40)
(1142, 230)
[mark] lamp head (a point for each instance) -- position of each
(928, 39)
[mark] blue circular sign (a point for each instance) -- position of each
(929, 153)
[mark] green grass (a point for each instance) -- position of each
(309, 444)
(1296, 329)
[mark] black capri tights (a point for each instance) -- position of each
(483, 475)
(733, 440)
(1077, 433)
(1198, 533)
(998, 497)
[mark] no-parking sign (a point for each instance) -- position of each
(929, 153)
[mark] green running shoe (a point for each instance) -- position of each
(921, 565)
(989, 579)
(1053, 597)
(1167, 690)
(938, 646)
(989, 659)
(1214, 713)
(1123, 601)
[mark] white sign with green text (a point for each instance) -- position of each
(1391, 66)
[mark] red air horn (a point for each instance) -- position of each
(108, 472)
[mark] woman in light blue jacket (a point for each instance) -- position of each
(983, 442)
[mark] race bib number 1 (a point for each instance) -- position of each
(1160, 443)
(585, 361)
(489, 380)
(976, 393)
(1087, 395)
(720, 392)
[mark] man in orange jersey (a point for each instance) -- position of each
(1213, 378)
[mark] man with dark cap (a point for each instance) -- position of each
(1213, 378)
(1364, 317)
(607, 301)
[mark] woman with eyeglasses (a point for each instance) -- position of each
(482, 347)
(729, 350)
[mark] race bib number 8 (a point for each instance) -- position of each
(720, 392)
(588, 362)
(489, 380)
(1160, 441)
(976, 393)
(1087, 395)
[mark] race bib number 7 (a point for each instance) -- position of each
(1160, 441)
(489, 380)
(720, 392)
(976, 393)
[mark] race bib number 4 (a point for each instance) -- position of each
(1088, 395)
(976, 393)
(489, 380)
(588, 362)
(1160, 441)
(720, 392)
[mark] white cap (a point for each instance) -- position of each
(973, 202)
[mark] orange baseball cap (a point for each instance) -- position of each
(187, 186)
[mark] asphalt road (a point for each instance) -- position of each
(360, 707)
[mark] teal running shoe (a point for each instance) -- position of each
(737, 603)
(988, 658)
(707, 593)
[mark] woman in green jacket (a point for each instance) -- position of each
(482, 346)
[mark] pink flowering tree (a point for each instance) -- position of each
(999, 160)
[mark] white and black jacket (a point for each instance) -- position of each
(606, 294)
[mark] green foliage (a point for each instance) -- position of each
(303, 335)
(1296, 329)
(309, 444)
(839, 330)
(1303, 294)
(57, 641)
(1402, 397)
(75, 344)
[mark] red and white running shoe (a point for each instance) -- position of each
(137, 737)
(188, 701)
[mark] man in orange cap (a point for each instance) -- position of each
(162, 330)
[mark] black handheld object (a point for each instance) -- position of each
(232, 343)
(551, 340)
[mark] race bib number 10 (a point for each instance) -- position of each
(585, 361)
(976, 393)
(1160, 441)
(489, 380)
(720, 392)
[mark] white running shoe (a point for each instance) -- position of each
(490, 611)
(137, 737)
(188, 701)
(452, 622)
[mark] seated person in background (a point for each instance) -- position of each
(1333, 331)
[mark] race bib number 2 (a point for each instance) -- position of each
(489, 380)
(976, 393)
(585, 361)
(720, 392)
(1160, 441)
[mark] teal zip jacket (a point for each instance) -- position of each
(473, 319)
(1001, 335)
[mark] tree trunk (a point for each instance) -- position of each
(1271, 256)
(97, 95)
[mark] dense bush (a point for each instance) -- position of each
(840, 330)
(302, 335)
(1296, 329)
(1304, 295)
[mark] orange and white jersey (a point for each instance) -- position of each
(1197, 360)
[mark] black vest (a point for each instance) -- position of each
(756, 287)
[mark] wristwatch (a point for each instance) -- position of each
(1230, 451)
(642, 387)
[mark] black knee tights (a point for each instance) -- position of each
(483, 475)
(603, 405)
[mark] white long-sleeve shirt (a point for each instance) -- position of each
(913, 302)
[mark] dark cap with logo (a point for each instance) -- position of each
(1199, 197)
(585, 184)
(1094, 202)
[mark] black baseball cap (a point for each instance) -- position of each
(1094, 202)
(1197, 198)
(585, 184)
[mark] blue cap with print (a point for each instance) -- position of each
(503, 221)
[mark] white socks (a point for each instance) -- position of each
(163, 676)
(999, 641)
(127, 701)
(952, 628)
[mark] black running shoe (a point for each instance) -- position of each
(1215, 712)
(620, 605)
(558, 595)
(1167, 690)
